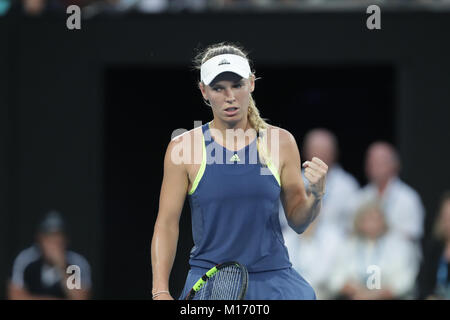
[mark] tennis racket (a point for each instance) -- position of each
(225, 281)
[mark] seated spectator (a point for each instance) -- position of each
(313, 254)
(373, 251)
(40, 272)
(434, 277)
(401, 204)
(42, 7)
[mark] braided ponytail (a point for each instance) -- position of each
(260, 126)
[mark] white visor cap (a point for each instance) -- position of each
(224, 63)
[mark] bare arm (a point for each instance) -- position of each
(301, 206)
(73, 294)
(356, 291)
(165, 235)
(79, 294)
(18, 293)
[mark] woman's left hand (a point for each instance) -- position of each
(316, 171)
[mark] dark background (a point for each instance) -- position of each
(85, 116)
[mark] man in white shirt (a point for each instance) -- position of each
(402, 204)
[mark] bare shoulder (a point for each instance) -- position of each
(185, 148)
(282, 146)
(190, 136)
(285, 138)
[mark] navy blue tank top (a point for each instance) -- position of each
(234, 207)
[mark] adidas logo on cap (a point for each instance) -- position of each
(224, 61)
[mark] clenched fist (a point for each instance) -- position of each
(316, 171)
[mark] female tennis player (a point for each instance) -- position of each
(234, 202)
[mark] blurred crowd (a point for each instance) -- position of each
(93, 7)
(367, 241)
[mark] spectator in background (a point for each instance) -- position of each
(5, 5)
(372, 251)
(40, 7)
(34, 7)
(188, 5)
(240, 4)
(112, 7)
(313, 253)
(39, 272)
(402, 204)
(147, 6)
(434, 277)
(341, 185)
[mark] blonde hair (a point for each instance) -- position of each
(258, 123)
(362, 211)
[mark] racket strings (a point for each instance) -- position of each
(224, 285)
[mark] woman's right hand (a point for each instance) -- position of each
(164, 296)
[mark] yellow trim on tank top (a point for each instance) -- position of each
(274, 171)
(200, 172)
(202, 168)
